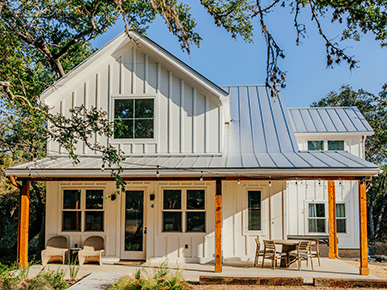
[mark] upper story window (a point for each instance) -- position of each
(336, 145)
(324, 145)
(134, 118)
(315, 145)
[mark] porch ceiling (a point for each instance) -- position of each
(289, 164)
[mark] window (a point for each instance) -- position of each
(74, 210)
(254, 210)
(336, 145)
(340, 218)
(316, 218)
(134, 118)
(315, 145)
(184, 205)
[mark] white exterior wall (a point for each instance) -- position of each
(187, 120)
(237, 241)
(299, 194)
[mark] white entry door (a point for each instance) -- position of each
(133, 238)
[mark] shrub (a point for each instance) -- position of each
(160, 279)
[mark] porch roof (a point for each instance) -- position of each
(288, 164)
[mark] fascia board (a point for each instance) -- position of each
(269, 173)
(334, 135)
(59, 88)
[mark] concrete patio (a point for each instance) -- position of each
(330, 268)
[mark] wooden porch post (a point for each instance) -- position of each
(23, 225)
(332, 220)
(363, 227)
(218, 226)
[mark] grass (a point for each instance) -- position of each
(12, 278)
(161, 278)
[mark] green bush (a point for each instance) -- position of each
(11, 278)
(160, 279)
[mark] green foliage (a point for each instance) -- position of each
(374, 109)
(74, 269)
(12, 278)
(161, 278)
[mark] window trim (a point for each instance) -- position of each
(245, 214)
(184, 210)
(83, 209)
(307, 217)
(342, 218)
(155, 117)
(325, 144)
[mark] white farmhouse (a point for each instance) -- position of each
(208, 168)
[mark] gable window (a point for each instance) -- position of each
(336, 145)
(134, 118)
(341, 218)
(82, 210)
(184, 210)
(316, 218)
(254, 210)
(315, 145)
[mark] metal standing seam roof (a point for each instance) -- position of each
(259, 141)
(329, 120)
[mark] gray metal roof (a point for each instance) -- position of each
(249, 164)
(329, 120)
(260, 123)
(259, 141)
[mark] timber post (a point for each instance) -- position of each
(363, 270)
(23, 224)
(218, 226)
(332, 220)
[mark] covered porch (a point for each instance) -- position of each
(217, 178)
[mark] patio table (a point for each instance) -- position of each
(287, 247)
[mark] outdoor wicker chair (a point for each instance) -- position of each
(315, 250)
(93, 248)
(55, 250)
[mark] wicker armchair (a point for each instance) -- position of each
(55, 250)
(93, 248)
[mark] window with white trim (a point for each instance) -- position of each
(184, 210)
(315, 145)
(134, 118)
(341, 220)
(316, 218)
(82, 210)
(254, 210)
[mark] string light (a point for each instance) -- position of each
(201, 177)
(103, 167)
(269, 182)
(239, 180)
(319, 182)
(157, 171)
(339, 181)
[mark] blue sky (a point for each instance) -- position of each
(226, 61)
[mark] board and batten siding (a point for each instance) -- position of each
(302, 192)
(186, 120)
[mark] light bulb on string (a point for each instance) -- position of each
(157, 172)
(201, 177)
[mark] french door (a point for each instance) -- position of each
(133, 238)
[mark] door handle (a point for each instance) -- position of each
(145, 231)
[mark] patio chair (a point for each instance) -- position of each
(270, 252)
(315, 250)
(258, 251)
(93, 248)
(303, 253)
(55, 251)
